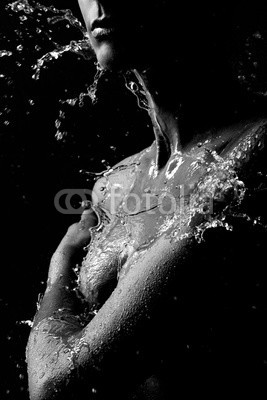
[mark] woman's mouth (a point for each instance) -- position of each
(102, 33)
(102, 28)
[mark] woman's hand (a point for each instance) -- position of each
(71, 247)
(61, 281)
(78, 234)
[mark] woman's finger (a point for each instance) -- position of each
(88, 219)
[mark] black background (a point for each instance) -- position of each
(34, 165)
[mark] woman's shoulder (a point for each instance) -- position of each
(243, 140)
(242, 147)
(137, 158)
(241, 169)
(246, 152)
(121, 177)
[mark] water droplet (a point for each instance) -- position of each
(60, 135)
(5, 53)
(57, 123)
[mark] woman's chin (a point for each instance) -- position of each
(106, 56)
(110, 58)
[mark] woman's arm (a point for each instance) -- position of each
(59, 293)
(58, 315)
(64, 357)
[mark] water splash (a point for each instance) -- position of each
(21, 5)
(30, 9)
(46, 22)
(77, 47)
(80, 47)
(134, 84)
(90, 91)
(5, 53)
(27, 322)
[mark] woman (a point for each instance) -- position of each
(144, 288)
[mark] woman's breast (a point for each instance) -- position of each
(100, 266)
(142, 216)
(115, 246)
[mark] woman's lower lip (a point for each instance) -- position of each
(99, 33)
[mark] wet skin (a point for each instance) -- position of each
(139, 204)
(148, 250)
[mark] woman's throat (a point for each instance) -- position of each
(164, 124)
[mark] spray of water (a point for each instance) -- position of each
(5, 53)
(42, 24)
(77, 47)
(80, 48)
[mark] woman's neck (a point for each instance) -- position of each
(164, 120)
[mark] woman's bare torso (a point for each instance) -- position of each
(138, 205)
